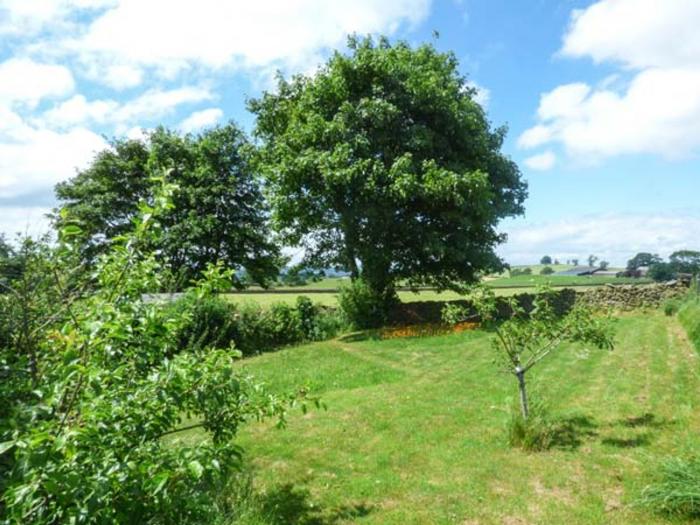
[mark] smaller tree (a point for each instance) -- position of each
(603, 265)
(592, 260)
(547, 270)
(546, 260)
(574, 262)
(661, 272)
(685, 261)
(526, 338)
(642, 259)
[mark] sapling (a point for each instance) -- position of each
(524, 338)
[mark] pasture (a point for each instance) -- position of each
(414, 431)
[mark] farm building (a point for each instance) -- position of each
(582, 270)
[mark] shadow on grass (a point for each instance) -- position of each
(637, 441)
(287, 504)
(569, 433)
(647, 420)
(356, 337)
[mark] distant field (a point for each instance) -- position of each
(502, 285)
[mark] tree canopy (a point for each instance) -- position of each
(642, 259)
(383, 164)
(218, 213)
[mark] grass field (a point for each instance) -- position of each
(414, 432)
(502, 285)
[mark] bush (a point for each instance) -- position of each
(362, 306)
(671, 306)
(515, 272)
(677, 491)
(250, 328)
(547, 270)
(534, 434)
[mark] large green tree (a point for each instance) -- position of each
(383, 163)
(218, 215)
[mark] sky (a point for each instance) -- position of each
(601, 98)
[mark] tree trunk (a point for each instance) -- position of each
(520, 374)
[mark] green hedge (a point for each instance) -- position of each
(252, 329)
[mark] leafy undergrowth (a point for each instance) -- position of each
(416, 431)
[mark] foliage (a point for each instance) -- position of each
(546, 260)
(250, 327)
(671, 306)
(661, 271)
(88, 438)
(516, 272)
(689, 316)
(685, 261)
(363, 306)
(547, 270)
(218, 215)
(592, 260)
(527, 337)
(677, 489)
(574, 262)
(643, 259)
(603, 265)
(383, 164)
(533, 433)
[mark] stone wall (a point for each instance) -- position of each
(630, 297)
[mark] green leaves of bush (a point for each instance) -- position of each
(88, 435)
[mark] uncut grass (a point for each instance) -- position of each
(415, 431)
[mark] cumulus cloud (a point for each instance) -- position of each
(542, 161)
(612, 237)
(215, 34)
(33, 159)
(657, 111)
(201, 119)
(25, 81)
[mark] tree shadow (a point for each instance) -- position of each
(637, 441)
(569, 433)
(647, 420)
(356, 337)
(290, 505)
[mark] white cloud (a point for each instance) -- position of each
(33, 159)
(612, 237)
(78, 110)
(542, 161)
(636, 33)
(201, 119)
(657, 111)
(483, 95)
(122, 76)
(23, 80)
(217, 34)
(151, 104)
(24, 220)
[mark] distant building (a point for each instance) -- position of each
(579, 270)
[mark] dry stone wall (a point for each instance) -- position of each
(630, 297)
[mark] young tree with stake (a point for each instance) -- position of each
(526, 338)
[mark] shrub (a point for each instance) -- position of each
(215, 322)
(90, 440)
(362, 306)
(671, 306)
(677, 490)
(534, 433)
(547, 270)
(515, 272)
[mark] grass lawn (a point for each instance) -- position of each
(414, 432)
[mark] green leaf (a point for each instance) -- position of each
(6, 445)
(195, 468)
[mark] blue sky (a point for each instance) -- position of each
(602, 98)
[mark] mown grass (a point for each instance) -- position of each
(415, 431)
